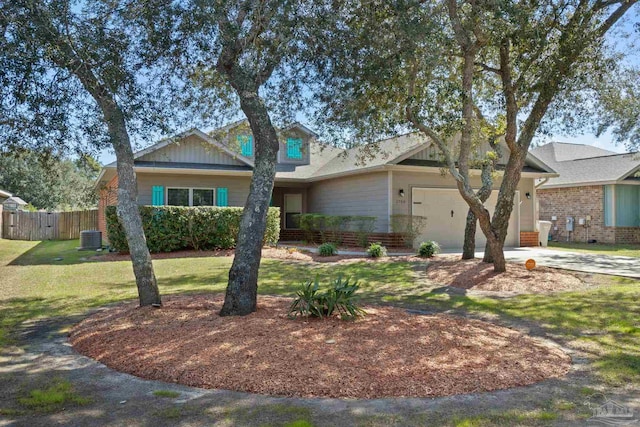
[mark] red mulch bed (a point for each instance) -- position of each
(388, 353)
(477, 275)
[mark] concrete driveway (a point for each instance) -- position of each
(576, 261)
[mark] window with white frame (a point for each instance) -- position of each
(191, 196)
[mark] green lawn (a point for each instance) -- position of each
(35, 283)
(603, 322)
(598, 248)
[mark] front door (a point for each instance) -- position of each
(292, 208)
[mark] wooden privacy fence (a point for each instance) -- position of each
(47, 225)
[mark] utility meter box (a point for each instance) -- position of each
(580, 221)
(569, 226)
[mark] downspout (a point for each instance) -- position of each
(541, 183)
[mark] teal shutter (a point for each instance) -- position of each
(294, 148)
(627, 206)
(222, 197)
(157, 195)
(246, 145)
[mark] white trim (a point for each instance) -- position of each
(589, 184)
(631, 172)
(614, 202)
(189, 171)
(539, 163)
(302, 127)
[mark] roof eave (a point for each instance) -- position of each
(539, 163)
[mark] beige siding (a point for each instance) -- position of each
(353, 195)
(238, 186)
(282, 152)
(408, 180)
(528, 214)
(432, 152)
(192, 150)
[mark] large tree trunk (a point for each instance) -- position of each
(127, 209)
(242, 288)
(469, 245)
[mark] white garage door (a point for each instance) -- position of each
(446, 214)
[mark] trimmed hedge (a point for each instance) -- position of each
(173, 228)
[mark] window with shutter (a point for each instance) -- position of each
(157, 195)
(294, 148)
(246, 145)
(222, 197)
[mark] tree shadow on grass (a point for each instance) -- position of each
(54, 252)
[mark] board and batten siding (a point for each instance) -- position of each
(192, 150)
(352, 195)
(238, 187)
(409, 180)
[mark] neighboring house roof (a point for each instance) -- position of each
(581, 165)
(326, 161)
(15, 199)
(4, 193)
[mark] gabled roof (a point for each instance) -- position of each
(564, 151)
(326, 161)
(580, 165)
(200, 134)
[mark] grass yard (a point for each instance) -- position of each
(603, 323)
(597, 248)
(35, 284)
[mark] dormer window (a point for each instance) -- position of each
(294, 148)
(246, 145)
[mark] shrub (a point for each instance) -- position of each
(309, 224)
(428, 249)
(376, 250)
(329, 227)
(172, 228)
(340, 298)
(327, 249)
(410, 226)
(333, 228)
(364, 226)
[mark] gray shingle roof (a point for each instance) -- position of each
(580, 164)
(328, 161)
(15, 199)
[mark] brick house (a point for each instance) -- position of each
(597, 189)
(401, 176)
